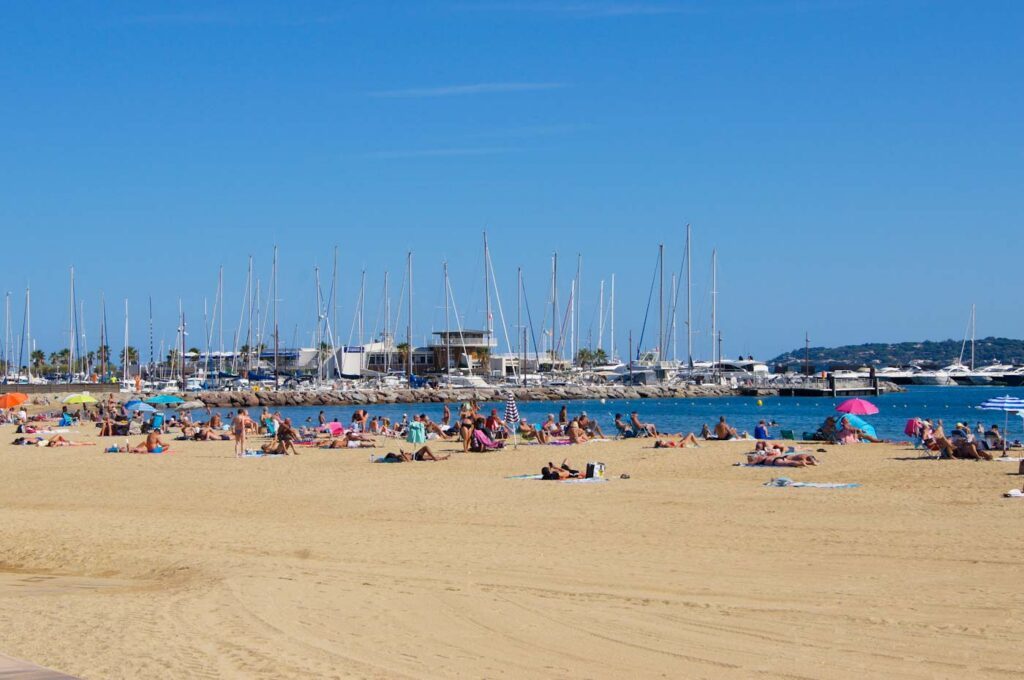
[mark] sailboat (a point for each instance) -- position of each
(963, 374)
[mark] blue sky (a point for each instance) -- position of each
(858, 164)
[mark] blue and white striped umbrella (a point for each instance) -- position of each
(512, 418)
(511, 410)
(1007, 405)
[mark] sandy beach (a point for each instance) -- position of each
(197, 564)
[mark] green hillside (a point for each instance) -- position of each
(942, 353)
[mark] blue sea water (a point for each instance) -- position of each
(951, 404)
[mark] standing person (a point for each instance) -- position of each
(322, 419)
(446, 417)
(563, 416)
(239, 425)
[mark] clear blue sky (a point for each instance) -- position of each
(857, 163)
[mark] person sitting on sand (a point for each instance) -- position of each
(551, 426)
(724, 431)
(496, 426)
(625, 431)
(433, 428)
(558, 472)
(827, 432)
(422, 454)
(848, 434)
(994, 438)
(215, 422)
(690, 441)
(153, 444)
(287, 436)
(705, 432)
(590, 426)
(761, 431)
(529, 432)
(645, 429)
(576, 433)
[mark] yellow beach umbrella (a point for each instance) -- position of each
(79, 399)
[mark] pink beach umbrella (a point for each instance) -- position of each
(857, 407)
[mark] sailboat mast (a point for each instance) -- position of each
(689, 282)
(125, 370)
(672, 321)
(520, 331)
(220, 296)
(7, 334)
(661, 301)
(71, 326)
(554, 305)
(714, 307)
(611, 313)
(487, 295)
(600, 316)
(276, 334)
(387, 325)
(408, 328)
(248, 333)
(447, 326)
(150, 334)
(578, 301)
(28, 330)
(974, 321)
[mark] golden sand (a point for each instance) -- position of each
(197, 564)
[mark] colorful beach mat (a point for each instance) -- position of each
(786, 481)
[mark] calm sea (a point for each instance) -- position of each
(688, 415)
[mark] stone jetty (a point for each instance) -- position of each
(428, 395)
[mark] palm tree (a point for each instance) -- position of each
(38, 358)
(132, 356)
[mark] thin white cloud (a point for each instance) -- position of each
(462, 90)
(439, 153)
(585, 8)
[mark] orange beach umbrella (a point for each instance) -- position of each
(12, 399)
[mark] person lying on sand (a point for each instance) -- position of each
(690, 441)
(556, 472)
(772, 457)
(422, 454)
(344, 441)
(153, 444)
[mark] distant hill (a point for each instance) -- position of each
(942, 353)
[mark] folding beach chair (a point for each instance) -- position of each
(788, 434)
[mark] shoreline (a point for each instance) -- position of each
(359, 397)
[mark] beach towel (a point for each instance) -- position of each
(386, 460)
(1009, 459)
(417, 433)
(575, 480)
(253, 453)
(786, 481)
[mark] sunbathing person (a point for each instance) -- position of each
(422, 454)
(775, 456)
(576, 433)
(432, 427)
(153, 444)
(640, 428)
(59, 440)
(349, 440)
(687, 442)
(532, 432)
(590, 426)
(625, 431)
(724, 431)
(287, 436)
(558, 472)
(848, 434)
